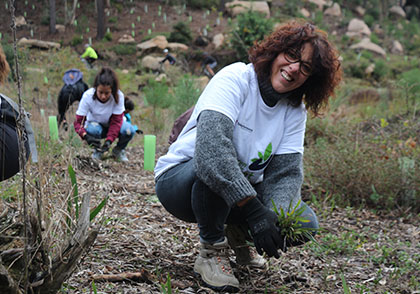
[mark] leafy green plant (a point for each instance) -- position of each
(124, 49)
(181, 33)
(290, 223)
(77, 39)
(250, 27)
(156, 95)
(203, 3)
(185, 95)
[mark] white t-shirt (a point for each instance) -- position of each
(96, 111)
(259, 131)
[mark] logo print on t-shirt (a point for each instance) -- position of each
(263, 159)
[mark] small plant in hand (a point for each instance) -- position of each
(290, 224)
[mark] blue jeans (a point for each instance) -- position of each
(189, 199)
(100, 131)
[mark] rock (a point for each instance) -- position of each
(161, 77)
(360, 10)
(20, 21)
(370, 69)
(397, 11)
(151, 62)
(60, 28)
(357, 28)
(126, 39)
(319, 3)
(177, 47)
(366, 44)
(305, 12)
(334, 10)
(158, 42)
(38, 43)
(218, 40)
(397, 48)
(236, 7)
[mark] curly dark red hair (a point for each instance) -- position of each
(326, 74)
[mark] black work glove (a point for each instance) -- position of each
(92, 141)
(138, 131)
(262, 223)
(106, 145)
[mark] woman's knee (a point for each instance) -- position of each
(94, 129)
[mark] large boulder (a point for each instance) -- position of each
(367, 44)
(334, 10)
(20, 21)
(126, 39)
(151, 62)
(236, 7)
(357, 28)
(155, 44)
(397, 12)
(38, 43)
(177, 47)
(218, 40)
(319, 3)
(397, 48)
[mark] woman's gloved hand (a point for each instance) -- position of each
(262, 223)
(92, 141)
(106, 145)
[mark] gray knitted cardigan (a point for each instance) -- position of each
(216, 162)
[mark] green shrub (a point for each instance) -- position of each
(250, 27)
(156, 95)
(124, 49)
(185, 95)
(369, 20)
(181, 33)
(370, 164)
(200, 4)
(381, 70)
(112, 19)
(108, 36)
(77, 39)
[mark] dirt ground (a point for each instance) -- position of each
(137, 235)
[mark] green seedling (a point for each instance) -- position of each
(290, 223)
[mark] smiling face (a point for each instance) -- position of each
(103, 92)
(286, 76)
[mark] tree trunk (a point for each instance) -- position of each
(101, 20)
(52, 17)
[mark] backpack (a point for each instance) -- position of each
(179, 124)
(9, 112)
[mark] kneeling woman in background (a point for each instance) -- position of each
(100, 115)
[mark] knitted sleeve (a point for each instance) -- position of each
(215, 158)
(282, 182)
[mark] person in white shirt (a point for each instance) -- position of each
(100, 115)
(242, 150)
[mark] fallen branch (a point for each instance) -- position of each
(141, 277)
